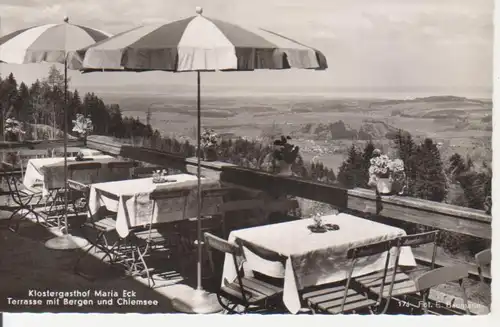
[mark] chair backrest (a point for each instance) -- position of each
(77, 186)
(443, 275)
(219, 244)
(234, 250)
(371, 249)
(238, 205)
(420, 239)
(121, 164)
(212, 199)
(71, 151)
(84, 166)
(168, 194)
(30, 154)
(262, 252)
(84, 171)
(78, 194)
(215, 192)
(11, 176)
(483, 260)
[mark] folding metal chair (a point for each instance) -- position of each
(483, 262)
(122, 164)
(83, 172)
(349, 296)
(151, 238)
(250, 293)
(27, 201)
(99, 225)
(439, 276)
(403, 283)
(70, 151)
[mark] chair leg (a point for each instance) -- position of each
(146, 270)
(28, 211)
(75, 267)
(11, 218)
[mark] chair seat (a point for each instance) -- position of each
(154, 236)
(330, 299)
(255, 290)
(103, 225)
(29, 191)
(403, 284)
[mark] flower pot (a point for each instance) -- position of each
(209, 154)
(284, 168)
(384, 185)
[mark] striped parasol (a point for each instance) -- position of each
(54, 43)
(48, 43)
(199, 44)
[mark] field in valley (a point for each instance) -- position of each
(324, 128)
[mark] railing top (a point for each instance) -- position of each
(6, 146)
(426, 205)
(438, 215)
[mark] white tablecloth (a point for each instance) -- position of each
(314, 258)
(34, 172)
(130, 200)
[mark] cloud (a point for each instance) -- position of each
(367, 42)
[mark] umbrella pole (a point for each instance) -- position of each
(198, 159)
(66, 241)
(198, 301)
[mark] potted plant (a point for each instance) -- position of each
(83, 126)
(13, 130)
(284, 155)
(12, 133)
(384, 172)
(208, 144)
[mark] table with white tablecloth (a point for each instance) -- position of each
(130, 199)
(314, 258)
(34, 174)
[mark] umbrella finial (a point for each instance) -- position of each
(199, 10)
(66, 19)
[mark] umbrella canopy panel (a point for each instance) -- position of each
(48, 43)
(177, 46)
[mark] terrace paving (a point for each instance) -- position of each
(26, 264)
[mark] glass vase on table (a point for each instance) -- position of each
(318, 222)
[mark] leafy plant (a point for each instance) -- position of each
(285, 151)
(13, 127)
(82, 125)
(383, 167)
(209, 139)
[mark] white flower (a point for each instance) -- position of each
(383, 165)
(82, 125)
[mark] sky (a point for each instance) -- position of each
(404, 47)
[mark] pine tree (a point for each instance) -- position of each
(351, 171)
(457, 166)
(406, 150)
(367, 156)
(8, 96)
(23, 103)
(430, 179)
